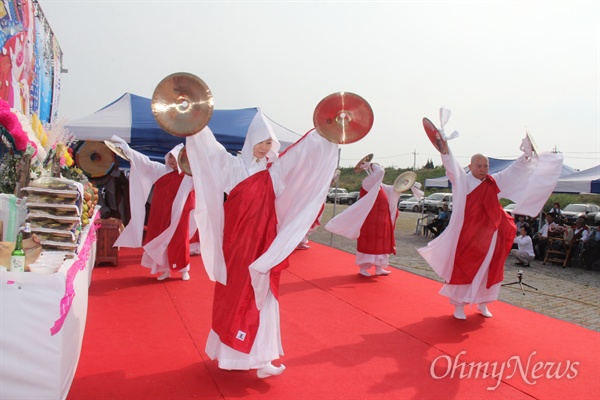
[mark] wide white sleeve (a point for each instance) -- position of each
(440, 252)
(143, 173)
(349, 222)
(214, 172)
(529, 181)
(393, 198)
(301, 178)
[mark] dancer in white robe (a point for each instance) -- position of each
(371, 221)
(272, 202)
(161, 254)
(470, 254)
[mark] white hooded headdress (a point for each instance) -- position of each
(259, 130)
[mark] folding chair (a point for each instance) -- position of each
(421, 228)
(559, 251)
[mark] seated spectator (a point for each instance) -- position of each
(580, 236)
(440, 222)
(524, 253)
(580, 229)
(540, 240)
(590, 252)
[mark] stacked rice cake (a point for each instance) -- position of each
(54, 211)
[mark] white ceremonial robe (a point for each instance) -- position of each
(143, 174)
(527, 182)
(350, 221)
(300, 179)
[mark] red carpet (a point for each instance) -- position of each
(345, 337)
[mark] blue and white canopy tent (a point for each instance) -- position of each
(586, 181)
(130, 117)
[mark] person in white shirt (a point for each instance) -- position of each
(540, 241)
(524, 253)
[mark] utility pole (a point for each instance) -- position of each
(414, 159)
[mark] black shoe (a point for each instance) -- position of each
(518, 263)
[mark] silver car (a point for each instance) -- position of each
(412, 204)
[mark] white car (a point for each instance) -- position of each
(434, 202)
(412, 204)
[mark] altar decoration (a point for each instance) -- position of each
(37, 166)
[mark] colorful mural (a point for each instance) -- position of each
(30, 59)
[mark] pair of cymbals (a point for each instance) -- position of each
(182, 105)
(343, 117)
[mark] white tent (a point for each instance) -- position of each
(586, 181)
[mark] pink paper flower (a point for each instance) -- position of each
(11, 123)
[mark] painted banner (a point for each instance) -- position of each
(30, 60)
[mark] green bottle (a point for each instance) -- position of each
(17, 257)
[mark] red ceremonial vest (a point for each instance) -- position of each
(483, 216)
(377, 232)
(250, 228)
(159, 219)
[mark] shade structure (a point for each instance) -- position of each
(130, 117)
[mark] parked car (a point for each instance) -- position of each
(411, 204)
(352, 198)
(433, 203)
(405, 196)
(341, 197)
(573, 211)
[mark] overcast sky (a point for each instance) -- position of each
(502, 67)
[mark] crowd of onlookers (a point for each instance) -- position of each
(579, 242)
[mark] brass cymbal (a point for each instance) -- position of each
(116, 149)
(182, 104)
(404, 181)
(343, 117)
(367, 158)
(435, 137)
(533, 145)
(183, 162)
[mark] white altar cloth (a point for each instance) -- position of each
(42, 321)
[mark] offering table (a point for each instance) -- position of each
(42, 321)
